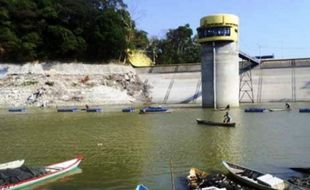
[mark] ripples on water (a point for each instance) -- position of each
(122, 150)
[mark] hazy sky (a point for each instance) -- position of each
(279, 27)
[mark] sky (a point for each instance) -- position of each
(267, 27)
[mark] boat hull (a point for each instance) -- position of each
(154, 110)
(256, 110)
(304, 110)
(53, 170)
(212, 123)
(237, 172)
(128, 109)
(67, 109)
(94, 110)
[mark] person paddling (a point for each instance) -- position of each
(227, 118)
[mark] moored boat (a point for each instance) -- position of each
(141, 187)
(257, 179)
(42, 174)
(17, 109)
(304, 110)
(96, 109)
(152, 109)
(213, 123)
(256, 110)
(128, 109)
(277, 109)
(67, 109)
(12, 164)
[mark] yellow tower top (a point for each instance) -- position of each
(220, 27)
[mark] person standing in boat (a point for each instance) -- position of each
(227, 118)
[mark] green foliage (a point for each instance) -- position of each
(177, 47)
(92, 30)
(83, 30)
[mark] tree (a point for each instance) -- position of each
(89, 30)
(178, 46)
(108, 39)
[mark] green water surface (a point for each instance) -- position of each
(122, 150)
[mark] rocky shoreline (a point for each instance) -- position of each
(47, 89)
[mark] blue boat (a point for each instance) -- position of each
(255, 110)
(67, 109)
(304, 110)
(152, 109)
(129, 109)
(94, 110)
(17, 109)
(141, 187)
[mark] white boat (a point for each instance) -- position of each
(259, 180)
(12, 164)
(51, 171)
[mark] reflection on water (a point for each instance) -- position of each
(122, 150)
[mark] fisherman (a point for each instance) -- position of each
(287, 105)
(227, 118)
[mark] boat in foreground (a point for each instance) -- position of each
(212, 123)
(257, 179)
(141, 187)
(46, 172)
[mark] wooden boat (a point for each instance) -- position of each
(17, 109)
(213, 123)
(50, 172)
(141, 187)
(152, 109)
(129, 109)
(257, 179)
(12, 164)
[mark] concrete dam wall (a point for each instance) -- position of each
(182, 83)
